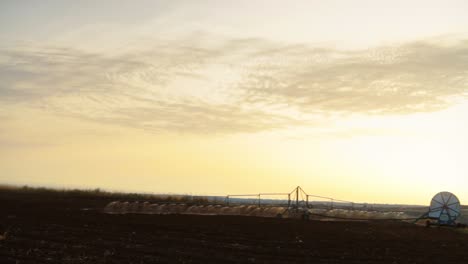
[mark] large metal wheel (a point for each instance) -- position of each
(445, 208)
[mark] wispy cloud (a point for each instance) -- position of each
(419, 76)
(229, 86)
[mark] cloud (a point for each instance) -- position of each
(132, 89)
(205, 85)
(414, 77)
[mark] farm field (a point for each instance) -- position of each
(52, 228)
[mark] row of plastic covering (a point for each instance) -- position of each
(357, 214)
(148, 208)
(247, 210)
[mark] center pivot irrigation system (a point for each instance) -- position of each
(297, 200)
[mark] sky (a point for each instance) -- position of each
(358, 100)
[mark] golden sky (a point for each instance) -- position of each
(357, 100)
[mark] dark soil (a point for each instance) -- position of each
(43, 228)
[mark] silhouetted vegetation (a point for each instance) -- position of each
(101, 194)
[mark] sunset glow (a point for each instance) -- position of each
(357, 100)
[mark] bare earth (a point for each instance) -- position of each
(56, 229)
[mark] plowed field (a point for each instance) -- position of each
(49, 229)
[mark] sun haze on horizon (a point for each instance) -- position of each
(357, 100)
